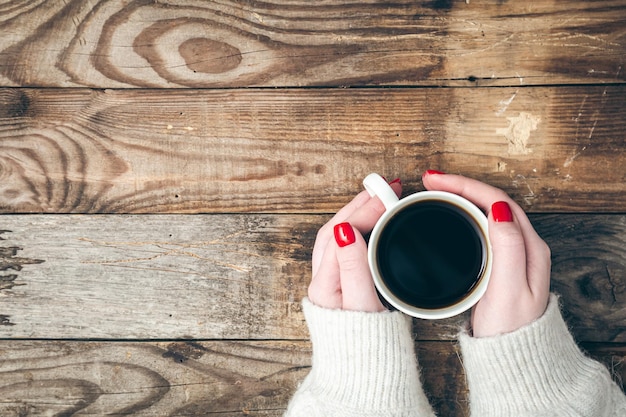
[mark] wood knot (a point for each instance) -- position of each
(181, 352)
(209, 56)
(14, 103)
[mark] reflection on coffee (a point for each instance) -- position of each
(430, 254)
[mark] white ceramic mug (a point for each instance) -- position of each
(437, 279)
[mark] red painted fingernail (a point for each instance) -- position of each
(396, 181)
(501, 212)
(433, 172)
(344, 234)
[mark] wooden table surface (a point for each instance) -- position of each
(165, 165)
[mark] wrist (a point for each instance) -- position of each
(363, 359)
(531, 368)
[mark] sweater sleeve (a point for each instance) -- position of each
(537, 370)
(363, 364)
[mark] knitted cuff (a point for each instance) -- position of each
(538, 368)
(362, 360)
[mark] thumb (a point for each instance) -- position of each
(357, 286)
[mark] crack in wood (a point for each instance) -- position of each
(611, 284)
(8, 281)
(9, 261)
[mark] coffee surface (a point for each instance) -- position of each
(430, 255)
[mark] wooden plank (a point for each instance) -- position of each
(241, 276)
(198, 378)
(218, 277)
(149, 379)
(116, 44)
(590, 253)
(181, 151)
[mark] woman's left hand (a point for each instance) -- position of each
(519, 287)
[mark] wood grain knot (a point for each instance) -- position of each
(13, 103)
(209, 56)
(182, 351)
(52, 166)
(91, 388)
(194, 46)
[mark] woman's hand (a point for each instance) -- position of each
(519, 287)
(341, 275)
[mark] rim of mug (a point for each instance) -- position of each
(478, 290)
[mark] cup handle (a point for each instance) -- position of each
(377, 186)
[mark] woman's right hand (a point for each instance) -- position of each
(519, 287)
(341, 275)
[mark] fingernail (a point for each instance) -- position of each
(344, 234)
(396, 181)
(433, 172)
(501, 212)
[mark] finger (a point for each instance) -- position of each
(324, 235)
(325, 287)
(362, 212)
(481, 194)
(508, 275)
(509, 302)
(357, 202)
(366, 216)
(357, 286)
(484, 195)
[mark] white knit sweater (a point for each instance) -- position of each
(364, 365)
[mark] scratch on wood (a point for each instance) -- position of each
(596, 115)
(504, 104)
(571, 159)
(531, 196)
(177, 250)
(611, 283)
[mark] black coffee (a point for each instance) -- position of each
(430, 255)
